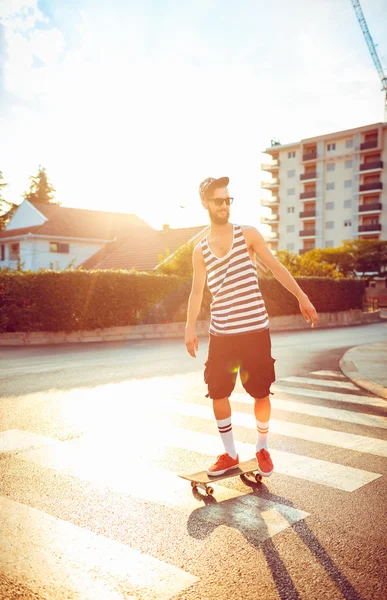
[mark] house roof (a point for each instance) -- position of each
(81, 223)
(142, 250)
(8, 233)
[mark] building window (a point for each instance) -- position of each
(329, 244)
(59, 247)
(291, 209)
(348, 183)
(348, 164)
(330, 185)
(349, 143)
(290, 229)
(14, 251)
(2, 247)
(291, 191)
(331, 147)
(292, 173)
(347, 203)
(330, 205)
(291, 154)
(347, 223)
(329, 224)
(331, 166)
(290, 247)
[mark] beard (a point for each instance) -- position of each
(219, 219)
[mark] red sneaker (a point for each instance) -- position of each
(265, 464)
(223, 463)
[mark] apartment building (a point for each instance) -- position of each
(326, 189)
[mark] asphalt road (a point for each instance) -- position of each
(92, 438)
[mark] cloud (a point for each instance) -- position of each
(139, 101)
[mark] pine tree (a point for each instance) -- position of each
(6, 208)
(41, 189)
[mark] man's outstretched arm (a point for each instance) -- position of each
(256, 241)
(195, 300)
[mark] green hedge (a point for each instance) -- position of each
(84, 300)
(327, 295)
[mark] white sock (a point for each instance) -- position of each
(263, 430)
(225, 430)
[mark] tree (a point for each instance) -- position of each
(353, 258)
(180, 262)
(6, 208)
(310, 264)
(41, 189)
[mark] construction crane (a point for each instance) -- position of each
(372, 49)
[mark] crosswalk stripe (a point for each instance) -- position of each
(51, 554)
(345, 385)
(16, 440)
(316, 410)
(285, 463)
(336, 374)
(103, 468)
(348, 441)
(325, 395)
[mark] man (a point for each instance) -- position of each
(239, 327)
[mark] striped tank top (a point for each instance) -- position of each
(237, 304)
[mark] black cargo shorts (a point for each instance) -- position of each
(246, 353)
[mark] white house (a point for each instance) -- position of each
(49, 236)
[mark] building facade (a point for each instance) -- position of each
(326, 190)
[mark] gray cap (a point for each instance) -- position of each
(211, 183)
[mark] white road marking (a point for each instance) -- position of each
(329, 437)
(16, 440)
(316, 410)
(56, 558)
(335, 414)
(104, 467)
(345, 385)
(337, 374)
(311, 469)
(336, 396)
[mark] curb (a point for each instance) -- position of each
(350, 370)
(176, 330)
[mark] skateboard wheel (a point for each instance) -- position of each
(258, 478)
(210, 491)
(193, 485)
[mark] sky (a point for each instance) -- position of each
(129, 105)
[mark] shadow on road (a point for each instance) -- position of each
(241, 514)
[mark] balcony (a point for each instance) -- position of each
(309, 156)
(274, 165)
(272, 219)
(377, 164)
(303, 250)
(308, 195)
(305, 214)
(373, 185)
(374, 207)
(269, 202)
(374, 227)
(308, 232)
(311, 175)
(369, 145)
(268, 185)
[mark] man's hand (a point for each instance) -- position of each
(308, 310)
(191, 341)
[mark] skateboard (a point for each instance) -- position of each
(245, 470)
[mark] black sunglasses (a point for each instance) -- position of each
(219, 201)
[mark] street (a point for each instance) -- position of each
(93, 437)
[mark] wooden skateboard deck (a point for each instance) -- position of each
(247, 468)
